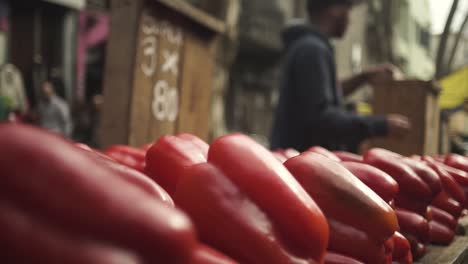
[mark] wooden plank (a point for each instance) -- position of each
(118, 79)
(432, 132)
(196, 86)
(165, 106)
(412, 99)
(145, 71)
(455, 253)
(195, 14)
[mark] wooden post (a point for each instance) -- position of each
(159, 71)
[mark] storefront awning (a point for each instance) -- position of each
(455, 89)
(75, 4)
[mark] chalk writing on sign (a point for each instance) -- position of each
(165, 102)
(165, 105)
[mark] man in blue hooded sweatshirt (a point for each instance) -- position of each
(310, 111)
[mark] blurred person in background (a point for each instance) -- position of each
(14, 105)
(311, 110)
(54, 112)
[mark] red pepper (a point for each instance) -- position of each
(279, 156)
(334, 258)
(27, 239)
(443, 217)
(63, 187)
(342, 196)
(413, 224)
(448, 204)
(440, 234)
(169, 157)
(389, 246)
(459, 175)
(133, 177)
(418, 249)
(380, 182)
(346, 156)
(283, 155)
(128, 156)
(206, 255)
(428, 175)
(291, 153)
(449, 184)
(411, 204)
(324, 152)
(402, 249)
(256, 172)
(457, 161)
(410, 183)
(197, 142)
(229, 220)
(83, 146)
(349, 241)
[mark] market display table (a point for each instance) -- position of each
(456, 253)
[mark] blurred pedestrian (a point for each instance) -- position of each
(311, 110)
(13, 98)
(54, 112)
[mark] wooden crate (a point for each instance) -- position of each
(418, 101)
(159, 68)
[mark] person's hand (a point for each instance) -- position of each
(382, 73)
(398, 125)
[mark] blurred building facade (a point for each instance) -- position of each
(253, 87)
(42, 39)
(460, 58)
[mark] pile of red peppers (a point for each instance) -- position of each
(180, 200)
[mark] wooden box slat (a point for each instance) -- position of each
(159, 75)
(416, 100)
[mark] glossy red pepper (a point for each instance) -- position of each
(440, 234)
(389, 246)
(346, 156)
(334, 258)
(449, 184)
(428, 175)
(402, 249)
(197, 142)
(418, 249)
(279, 156)
(349, 241)
(169, 157)
(128, 156)
(448, 204)
(229, 220)
(342, 196)
(380, 182)
(283, 155)
(133, 177)
(459, 175)
(411, 204)
(409, 182)
(83, 146)
(457, 161)
(206, 255)
(291, 153)
(444, 218)
(26, 239)
(64, 188)
(413, 224)
(256, 172)
(324, 152)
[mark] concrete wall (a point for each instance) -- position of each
(413, 25)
